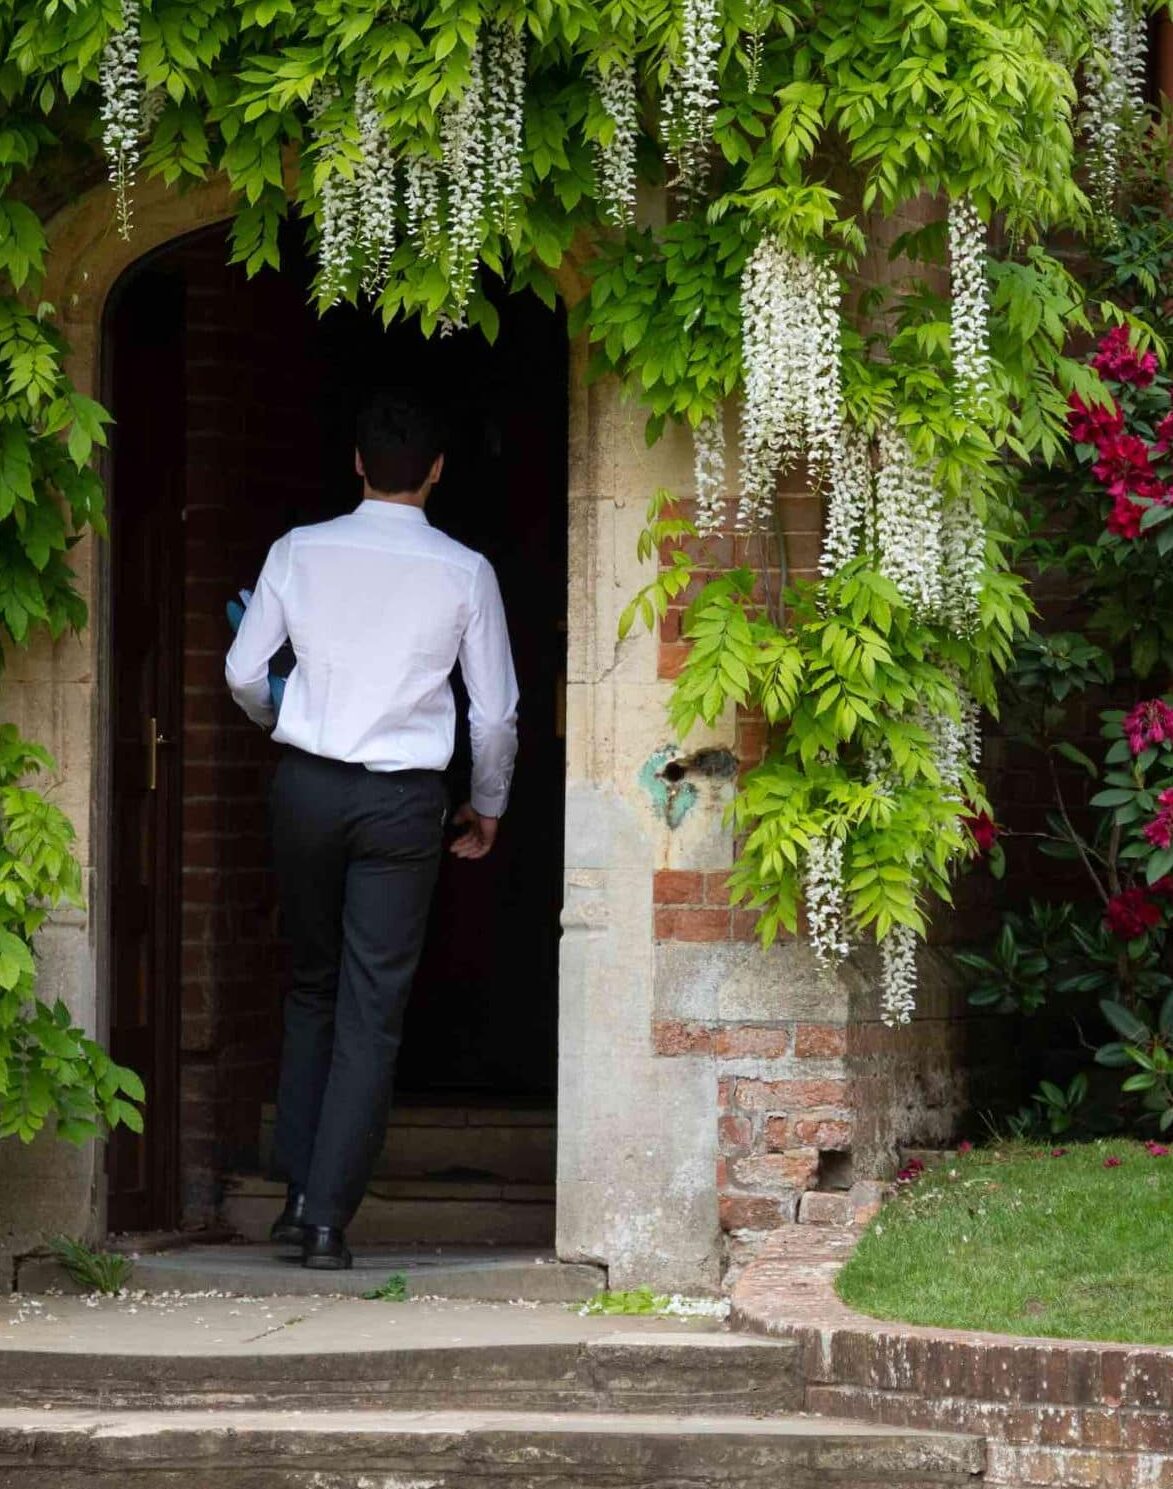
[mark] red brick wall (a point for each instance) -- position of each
(820, 1118)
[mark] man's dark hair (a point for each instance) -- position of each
(398, 441)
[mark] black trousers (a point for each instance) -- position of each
(356, 854)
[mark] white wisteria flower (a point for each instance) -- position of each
(505, 72)
(791, 401)
(615, 159)
(337, 196)
(123, 109)
(850, 496)
(970, 330)
(462, 141)
(1114, 96)
(908, 523)
(823, 899)
(708, 452)
(376, 190)
(963, 561)
(898, 975)
(690, 100)
(423, 188)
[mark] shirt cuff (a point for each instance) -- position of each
(486, 805)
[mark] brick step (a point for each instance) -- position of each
(717, 1374)
(508, 1143)
(404, 1212)
(468, 1450)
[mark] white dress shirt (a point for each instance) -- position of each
(379, 606)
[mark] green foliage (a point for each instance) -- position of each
(393, 1290)
(850, 675)
(49, 1068)
(106, 1272)
(829, 116)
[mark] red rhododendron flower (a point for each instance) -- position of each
(965, 1147)
(1164, 432)
(1112, 1161)
(1149, 723)
(1157, 1150)
(1089, 426)
(983, 830)
(1163, 887)
(1124, 518)
(1124, 460)
(1130, 913)
(1120, 362)
(1160, 830)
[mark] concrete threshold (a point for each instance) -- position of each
(487, 1273)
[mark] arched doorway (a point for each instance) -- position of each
(235, 404)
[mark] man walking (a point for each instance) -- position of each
(378, 606)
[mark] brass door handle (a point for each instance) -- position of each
(154, 741)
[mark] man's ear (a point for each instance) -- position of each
(437, 470)
(358, 466)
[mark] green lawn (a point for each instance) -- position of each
(1016, 1241)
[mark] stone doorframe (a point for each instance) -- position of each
(637, 1137)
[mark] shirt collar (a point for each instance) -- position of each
(393, 511)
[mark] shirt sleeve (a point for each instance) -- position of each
(486, 664)
(262, 632)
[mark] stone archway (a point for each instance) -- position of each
(637, 1147)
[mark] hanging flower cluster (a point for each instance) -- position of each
(504, 118)
(462, 141)
(963, 562)
(1130, 437)
(708, 447)
(338, 195)
(123, 109)
(791, 400)
(908, 524)
(615, 160)
(690, 100)
(1114, 96)
(421, 200)
(970, 335)
(898, 975)
(823, 898)
(850, 490)
(376, 191)
(445, 201)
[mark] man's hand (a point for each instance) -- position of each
(479, 834)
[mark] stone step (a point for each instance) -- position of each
(468, 1450)
(485, 1273)
(713, 1373)
(511, 1144)
(424, 1212)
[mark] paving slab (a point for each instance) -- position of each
(489, 1273)
(206, 1324)
(457, 1450)
(170, 1352)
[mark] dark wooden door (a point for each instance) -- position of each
(145, 372)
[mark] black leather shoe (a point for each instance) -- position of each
(324, 1249)
(288, 1228)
